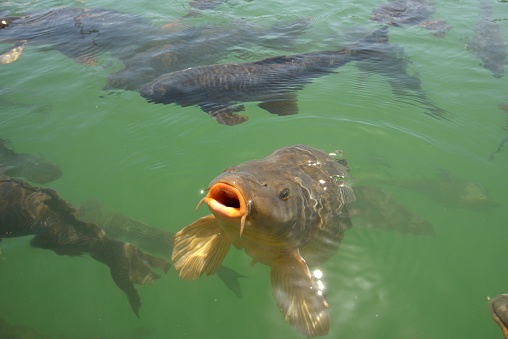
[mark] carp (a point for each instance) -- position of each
(149, 239)
(288, 211)
(78, 33)
(400, 13)
(27, 210)
(273, 81)
(29, 166)
(487, 44)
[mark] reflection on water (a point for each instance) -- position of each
(148, 162)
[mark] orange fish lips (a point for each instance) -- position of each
(227, 202)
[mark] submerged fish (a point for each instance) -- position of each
(401, 13)
(273, 81)
(498, 308)
(80, 33)
(27, 210)
(287, 211)
(147, 238)
(374, 208)
(450, 190)
(390, 61)
(18, 331)
(32, 167)
(203, 45)
(504, 107)
(487, 43)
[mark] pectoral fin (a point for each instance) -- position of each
(285, 105)
(199, 248)
(298, 297)
(12, 54)
(224, 114)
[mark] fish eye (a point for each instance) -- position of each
(284, 194)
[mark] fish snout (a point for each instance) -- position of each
(227, 202)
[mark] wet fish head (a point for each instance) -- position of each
(281, 199)
(254, 203)
(9, 30)
(174, 88)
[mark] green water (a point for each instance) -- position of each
(150, 162)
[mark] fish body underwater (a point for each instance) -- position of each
(29, 166)
(403, 12)
(273, 81)
(202, 45)
(288, 211)
(26, 210)
(149, 239)
(487, 43)
(79, 33)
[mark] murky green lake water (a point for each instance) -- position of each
(150, 162)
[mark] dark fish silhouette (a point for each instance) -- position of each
(504, 107)
(400, 13)
(18, 331)
(487, 43)
(287, 211)
(498, 308)
(273, 81)
(32, 167)
(202, 45)
(390, 62)
(450, 190)
(148, 238)
(373, 208)
(27, 210)
(81, 34)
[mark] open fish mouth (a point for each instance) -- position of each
(228, 202)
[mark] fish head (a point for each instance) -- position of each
(174, 88)
(253, 203)
(9, 30)
(285, 199)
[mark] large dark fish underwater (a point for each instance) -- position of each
(487, 42)
(498, 308)
(401, 13)
(39, 212)
(217, 89)
(202, 45)
(149, 239)
(288, 211)
(34, 168)
(81, 34)
(374, 208)
(273, 81)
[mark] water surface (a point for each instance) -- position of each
(151, 162)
